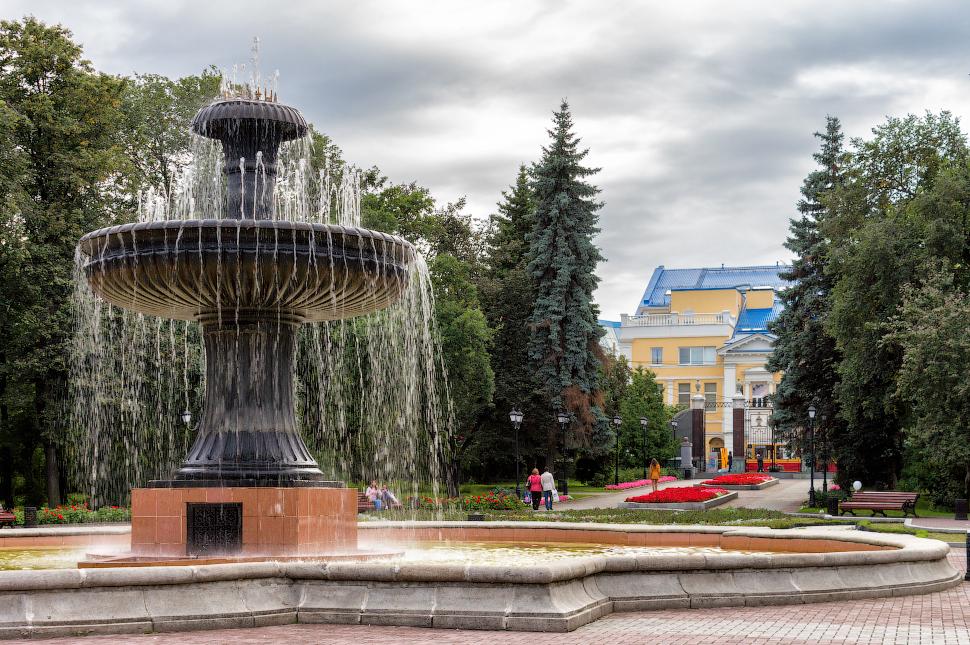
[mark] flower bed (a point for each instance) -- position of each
(678, 495)
(638, 483)
(485, 502)
(75, 514)
(739, 479)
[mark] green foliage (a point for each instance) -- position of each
(155, 136)
(564, 333)
(75, 514)
(805, 353)
(902, 202)
(644, 398)
(59, 127)
(933, 332)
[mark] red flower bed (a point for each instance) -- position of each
(739, 479)
(677, 495)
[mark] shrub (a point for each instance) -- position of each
(75, 514)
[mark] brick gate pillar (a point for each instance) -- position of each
(737, 415)
(697, 426)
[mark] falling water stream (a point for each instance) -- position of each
(371, 392)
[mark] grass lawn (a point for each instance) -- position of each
(899, 528)
(712, 517)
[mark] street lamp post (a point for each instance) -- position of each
(563, 419)
(825, 460)
(643, 424)
(516, 416)
(811, 459)
(617, 422)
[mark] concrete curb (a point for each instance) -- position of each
(558, 596)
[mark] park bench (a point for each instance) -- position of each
(364, 504)
(880, 502)
(6, 519)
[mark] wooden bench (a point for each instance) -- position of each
(6, 519)
(880, 502)
(364, 504)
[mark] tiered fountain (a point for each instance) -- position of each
(249, 485)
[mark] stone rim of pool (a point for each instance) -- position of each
(560, 595)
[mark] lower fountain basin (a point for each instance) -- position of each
(692, 567)
(214, 269)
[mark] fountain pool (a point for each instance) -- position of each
(526, 576)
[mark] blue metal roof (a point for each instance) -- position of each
(753, 321)
(664, 280)
(609, 323)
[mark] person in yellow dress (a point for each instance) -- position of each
(654, 474)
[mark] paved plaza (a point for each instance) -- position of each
(929, 619)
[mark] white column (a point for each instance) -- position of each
(670, 391)
(730, 380)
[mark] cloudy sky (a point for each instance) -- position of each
(700, 114)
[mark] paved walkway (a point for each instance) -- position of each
(930, 619)
(931, 523)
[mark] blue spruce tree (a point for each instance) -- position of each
(564, 351)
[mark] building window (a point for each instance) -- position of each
(683, 393)
(697, 356)
(656, 355)
(710, 393)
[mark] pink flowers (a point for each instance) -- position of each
(638, 483)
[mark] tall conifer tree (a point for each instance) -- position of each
(564, 333)
(805, 352)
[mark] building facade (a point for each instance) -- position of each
(705, 332)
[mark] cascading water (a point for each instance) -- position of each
(310, 326)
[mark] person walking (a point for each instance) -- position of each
(535, 488)
(548, 485)
(730, 462)
(654, 474)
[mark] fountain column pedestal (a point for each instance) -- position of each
(269, 521)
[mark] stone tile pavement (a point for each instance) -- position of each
(938, 618)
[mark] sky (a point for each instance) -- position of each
(700, 114)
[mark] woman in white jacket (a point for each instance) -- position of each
(548, 485)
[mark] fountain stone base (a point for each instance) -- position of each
(243, 521)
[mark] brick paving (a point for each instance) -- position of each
(938, 618)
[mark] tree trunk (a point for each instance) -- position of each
(452, 478)
(6, 478)
(53, 475)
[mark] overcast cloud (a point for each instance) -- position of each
(700, 115)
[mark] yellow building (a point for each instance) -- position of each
(704, 332)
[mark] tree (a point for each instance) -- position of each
(804, 352)
(932, 330)
(465, 342)
(156, 137)
(506, 297)
(564, 351)
(644, 398)
(67, 130)
(902, 201)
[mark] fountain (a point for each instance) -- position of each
(261, 536)
(249, 484)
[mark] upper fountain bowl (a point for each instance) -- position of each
(223, 119)
(230, 269)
